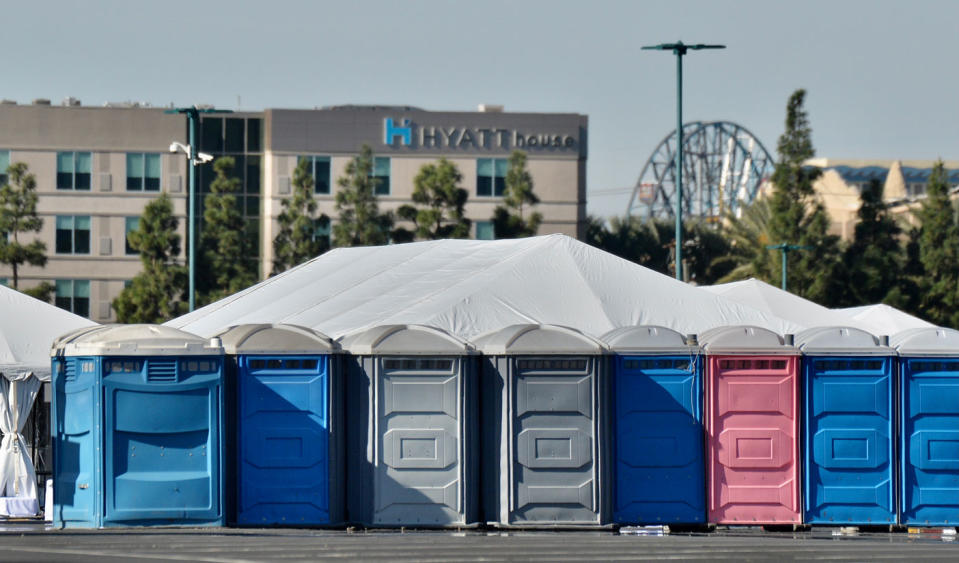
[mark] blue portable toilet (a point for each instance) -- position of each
(657, 427)
(137, 428)
(848, 427)
(285, 431)
(929, 426)
(545, 428)
(411, 427)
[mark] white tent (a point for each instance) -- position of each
(470, 287)
(27, 329)
(882, 319)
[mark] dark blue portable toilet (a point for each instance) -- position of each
(848, 427)
(411, 448)
(137, 428)
(544, 429)
(285, 430)
(929, 426)
(657, 427)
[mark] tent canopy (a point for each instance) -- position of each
(472, 287)
(27, 328)
(882, 319)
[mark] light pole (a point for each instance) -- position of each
(786, 248)
(679, 49)
(193, 117)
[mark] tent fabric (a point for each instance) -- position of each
(882, 319)
(473, 287)
(18, 480)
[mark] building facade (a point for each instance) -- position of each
(98, 167)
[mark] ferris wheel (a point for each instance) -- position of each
(724, 168)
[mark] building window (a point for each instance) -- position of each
(491, 176)
(3, 282)
(74, 296)
(143, 172)
(73, 170)
(319, 167)
(133, 223)
(321, 229)
(4, 164)
(484, 230)
(381, 172)
(73, 234)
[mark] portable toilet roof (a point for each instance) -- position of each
(404, 340)
(934, 341)
(135, 340)
(521, 339)
(275, 339)
(744, 340)
(844, 340)
(648, 340)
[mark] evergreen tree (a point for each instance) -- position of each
(875, 257)
(441, 201)
(229, 256)
(939, 252)
(156, 294)
(18, 214)
(296, 240)
(359, 221)
(798, 218)
(509, 220)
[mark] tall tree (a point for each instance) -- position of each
(440, 200)
(230, 262)
(939, 251)
(156, 294)
(798, 218)
(296, 241)
(875, 257)
(509, 219)
(748, 236)
(18, 215)
(359, 221)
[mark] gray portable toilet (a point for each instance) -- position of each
(542, 427)
(411, 427)
(285, 432)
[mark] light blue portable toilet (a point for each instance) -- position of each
(657, 427)
(137, 428)
(929, 426)
(412, 447)
(544, 429)
(285, 430)
(848, 427)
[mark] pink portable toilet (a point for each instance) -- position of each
(752, 427)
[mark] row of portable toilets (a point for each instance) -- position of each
(533, 425)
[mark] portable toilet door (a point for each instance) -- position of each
(541, 419)
(148, 401)
(657, 427)
(848, 427)
(411, 427)
(929, 426)
(285, 409)
(752, 426)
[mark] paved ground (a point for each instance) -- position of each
(32, 542)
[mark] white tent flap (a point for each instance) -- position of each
(18, 481)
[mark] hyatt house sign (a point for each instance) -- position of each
(408, 133)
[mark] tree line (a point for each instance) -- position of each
(226, 258)
(913, 266)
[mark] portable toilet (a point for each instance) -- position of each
(929, 426)
(411, 427)
(752, 426)
(542, 408)
(286, 429)
(657, 427)
(848, 427)
(137, 428)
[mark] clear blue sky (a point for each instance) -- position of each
(881, 76)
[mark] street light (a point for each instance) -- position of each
(679, 49)
(196, 157)
(786, 248)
